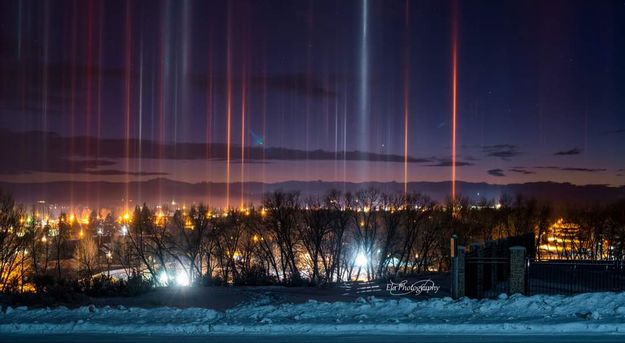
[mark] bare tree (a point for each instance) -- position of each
(190, 234)
(314, 231)
(87, 257)
(392, 209)
(141, 229)
(339, 224)
(59, 238)
(13, 242)
(281, 220)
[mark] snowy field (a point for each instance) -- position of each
(594, 313)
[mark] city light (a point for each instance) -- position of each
(163, 278)
(361, 260)
(182, 278)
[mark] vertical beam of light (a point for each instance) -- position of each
(127, 98)
(185, 66)
(308, 86)
(89, 81)
(44, 81)
(228, 102)
(19, 31)
(263, 139)
(74, 50)
(454, 97)
(243, 105)
(336, 105)
(336, 133)
(209, 122)
(99, 93)
(345, 140)
(364, 79)
(406, 93)
(162, 82)
(90, 67)
(140, 121)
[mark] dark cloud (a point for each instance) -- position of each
(612, 132)
(24, 90)
(496, 172)
(50, 152)
(576, 169)
(108, 172)
(298, 83)
(521, 170)
(574, 151)
(448, 163)
(502, 151)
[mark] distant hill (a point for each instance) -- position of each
(161, 190)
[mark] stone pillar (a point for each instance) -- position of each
(457, 273)
(517, 270)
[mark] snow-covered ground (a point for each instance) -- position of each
(593, 313)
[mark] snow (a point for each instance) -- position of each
(591, 313)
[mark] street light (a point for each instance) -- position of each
(361, 260)
(109, 256)
(182, 278)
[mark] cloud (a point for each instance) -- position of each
(440, 162)
(574, 151)
(121, 172)
(502, 151)
(575, 169)
(496, 172)
(298, 83)
(521, 170)
(76, 154)
(612, 132)
(52, 95)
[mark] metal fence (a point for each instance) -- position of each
(574, 276)
(487, 277)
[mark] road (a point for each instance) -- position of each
(318, 339)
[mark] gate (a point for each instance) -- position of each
(487, 277)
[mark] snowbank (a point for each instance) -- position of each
(584, 313)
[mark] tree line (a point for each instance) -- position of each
(285, 240)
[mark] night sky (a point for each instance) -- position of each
(316, 90)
